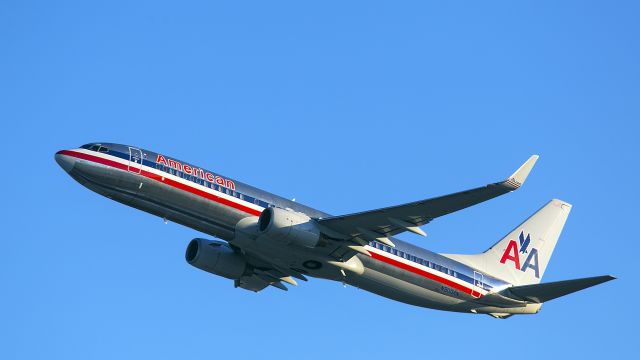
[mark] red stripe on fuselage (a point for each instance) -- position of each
(93, 158)
(159, 178)
(423, 273)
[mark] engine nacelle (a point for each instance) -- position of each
(288, 227)
(216, 257)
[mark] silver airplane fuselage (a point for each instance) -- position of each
(214, 204)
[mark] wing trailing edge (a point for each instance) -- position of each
(385, 222)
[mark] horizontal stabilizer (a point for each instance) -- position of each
(540, 293)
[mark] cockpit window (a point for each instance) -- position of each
(95, 147)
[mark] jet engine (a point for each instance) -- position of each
(288, 227)
(216, 257)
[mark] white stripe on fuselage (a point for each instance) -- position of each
(427, 269)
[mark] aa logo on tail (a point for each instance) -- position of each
(512, 253)
(524, 243)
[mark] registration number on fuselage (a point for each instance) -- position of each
(449, 291)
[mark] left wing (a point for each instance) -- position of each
(261, 274)
(259, 279)
(381, 223)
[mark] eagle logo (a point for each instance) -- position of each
(524, 242)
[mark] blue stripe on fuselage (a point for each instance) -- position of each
(437, 262)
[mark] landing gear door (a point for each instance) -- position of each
(478, 282)
(135, 160)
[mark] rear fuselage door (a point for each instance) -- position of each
(478, 282)
(135, 160)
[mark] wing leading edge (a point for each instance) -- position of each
(382, 223)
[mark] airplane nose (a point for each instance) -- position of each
(66, 162)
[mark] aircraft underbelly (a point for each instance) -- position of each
(160, 199)
(400, 285)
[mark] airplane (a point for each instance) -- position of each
(266, 240)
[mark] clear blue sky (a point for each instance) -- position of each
(387, 102)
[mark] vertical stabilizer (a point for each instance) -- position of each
(522, 256)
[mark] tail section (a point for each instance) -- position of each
(539, 293)
(522, 256)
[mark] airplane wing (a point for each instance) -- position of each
(381, 223)
(259, 279)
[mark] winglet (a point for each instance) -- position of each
(517, 178)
